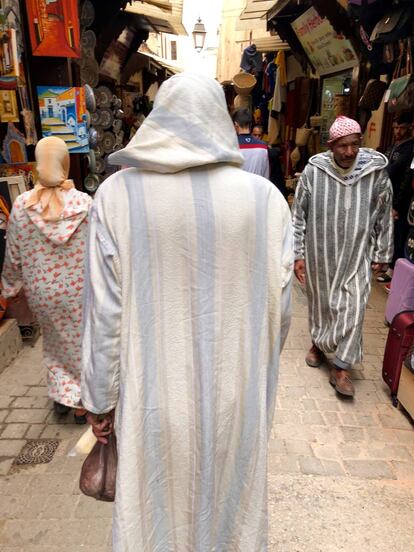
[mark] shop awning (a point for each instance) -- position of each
(253, 18)
(161, 16)
(153, 64)
(270, 44)
(276, 8)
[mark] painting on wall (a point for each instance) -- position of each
(8, 107)
(63, 114)
(54, 27)
(9, 63)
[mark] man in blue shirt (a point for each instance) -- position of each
(256, 159)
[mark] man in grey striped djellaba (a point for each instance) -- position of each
(343, 230)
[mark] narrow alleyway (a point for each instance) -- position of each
(341, 473)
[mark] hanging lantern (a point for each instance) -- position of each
(199, 35)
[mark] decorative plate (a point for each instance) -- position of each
(103, 96)
(100, 165)
(90, 98)
(90, 72)
(117, 125)
(108, 142)
(100, 132)
(93, 137)
(91, 183)
(91, 159)
(105, 117)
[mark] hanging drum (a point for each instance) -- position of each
(87, 14)
(88, 41)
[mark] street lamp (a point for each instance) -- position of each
(199, 35)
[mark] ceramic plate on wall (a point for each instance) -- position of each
(106, 117)
(108, 142)
(103, 96)
(90, 99)
(91, 183)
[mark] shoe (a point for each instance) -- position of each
(61, 409)
(342, 382)
(387, 287)
(315, 357)
(384, 278)
(80, 420)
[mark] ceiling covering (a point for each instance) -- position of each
(256, 9)
(162, 16)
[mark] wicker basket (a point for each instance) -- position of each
(241, 101)
(302, 136)
(315, 120)
(244, 83)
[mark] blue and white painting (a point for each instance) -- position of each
(63, 114)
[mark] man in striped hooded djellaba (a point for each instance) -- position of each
(343, 232)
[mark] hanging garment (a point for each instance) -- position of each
(251, 60)
(187, 297)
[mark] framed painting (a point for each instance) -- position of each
(8, 107)
(54, 28)
(17, 187)
(25, 170)
(9, 63)
(63, 114)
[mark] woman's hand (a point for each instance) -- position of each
(102, 425)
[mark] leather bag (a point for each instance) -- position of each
(372, 96)
(401, 89)
(98, 473)
(395, 25)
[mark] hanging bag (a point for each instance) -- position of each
(98, 474)
(401, 90)
(372, 96)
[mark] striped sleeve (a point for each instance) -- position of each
(384, 227)
(102, 319)
(299, 215)
(287, 272)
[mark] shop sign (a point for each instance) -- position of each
(328, 51)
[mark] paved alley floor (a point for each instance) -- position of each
(341, 473)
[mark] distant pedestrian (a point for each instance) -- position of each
(400, 155)
(45, 257)
(343, 231)
(254, 151)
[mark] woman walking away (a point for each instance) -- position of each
(44, 257)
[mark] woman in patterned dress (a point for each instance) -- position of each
(44, 258)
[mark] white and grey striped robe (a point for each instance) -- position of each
(342, 223)
(187, 306)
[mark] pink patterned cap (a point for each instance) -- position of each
(343, 126)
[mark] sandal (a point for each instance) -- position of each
(384, 278)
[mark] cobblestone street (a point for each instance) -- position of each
(341, 473)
